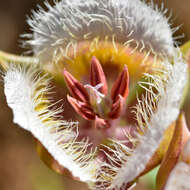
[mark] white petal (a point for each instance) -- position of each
(179, 178)
(69, 22)
(153, 123)
(26, 89)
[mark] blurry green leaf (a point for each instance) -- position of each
(6, 58)
(44, 179)
(185, 48)
(149, 180)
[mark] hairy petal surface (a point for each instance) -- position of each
(154, 114)
(26, 90)
(58, 32)
(123, 21)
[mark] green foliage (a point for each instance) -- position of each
(42, 178)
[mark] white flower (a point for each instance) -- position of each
(131, 23)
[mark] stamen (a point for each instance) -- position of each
(81, 108)
(87, 100)
(121, 85)
(97, 75)
(76, 88)
(117, 108)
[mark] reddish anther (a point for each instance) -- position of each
(77, 90)
(97, 75)
(80, 99)
(81, 108)
(121, 85)
(117, 108)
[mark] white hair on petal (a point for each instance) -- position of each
(26, 90)
(71, 21)
(155, 112)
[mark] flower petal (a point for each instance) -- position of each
(26, 90)
(69, 22)
(179, 178)
(186, 152)
(154, 114)
(162, 149)
(173, 153)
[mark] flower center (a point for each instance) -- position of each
(92, 101)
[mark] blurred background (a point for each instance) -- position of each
(20, 166)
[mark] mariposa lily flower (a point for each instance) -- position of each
(121, 79)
